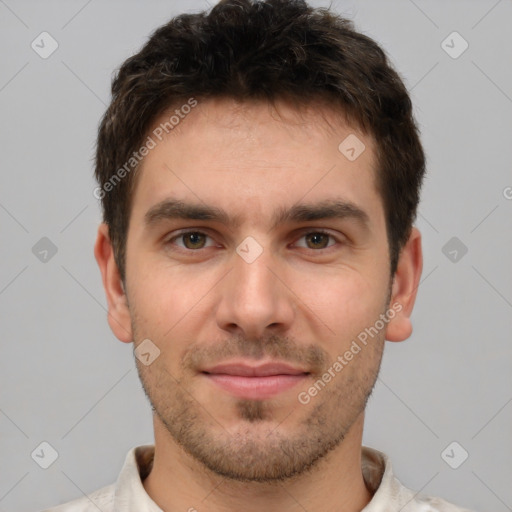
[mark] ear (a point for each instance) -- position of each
(118, 312)
(405, 287)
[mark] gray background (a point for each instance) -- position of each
(65, 378)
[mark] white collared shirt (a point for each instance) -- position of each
(128, 493)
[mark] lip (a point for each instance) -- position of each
(255, 382)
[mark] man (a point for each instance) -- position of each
(259, 169)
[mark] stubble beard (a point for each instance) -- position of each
(262, 448)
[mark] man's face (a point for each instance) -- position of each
(222, 296)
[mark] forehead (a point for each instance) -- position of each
(250, 155)
(283, 122)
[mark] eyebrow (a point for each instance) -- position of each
(170, 209)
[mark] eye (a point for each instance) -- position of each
(196, 240)
(192, 240)
(318, 240)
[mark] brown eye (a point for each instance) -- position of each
(317, 240)
(193, 240)
(189, 240)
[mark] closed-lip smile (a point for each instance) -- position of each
(257, 382)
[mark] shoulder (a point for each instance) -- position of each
(391, 494)
(430, 504)
(102, 499)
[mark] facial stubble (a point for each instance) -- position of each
(266, 445)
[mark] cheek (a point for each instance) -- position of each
(170, 299)
(347, 302)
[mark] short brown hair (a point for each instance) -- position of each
(262, 50)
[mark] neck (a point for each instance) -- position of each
(179, 482)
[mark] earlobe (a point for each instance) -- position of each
(405, 287)
(118, 313)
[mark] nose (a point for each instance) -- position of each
(255, 298)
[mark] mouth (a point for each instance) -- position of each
(260, 382)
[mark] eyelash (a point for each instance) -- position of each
(304, 234)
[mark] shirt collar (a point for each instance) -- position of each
(129, 491)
